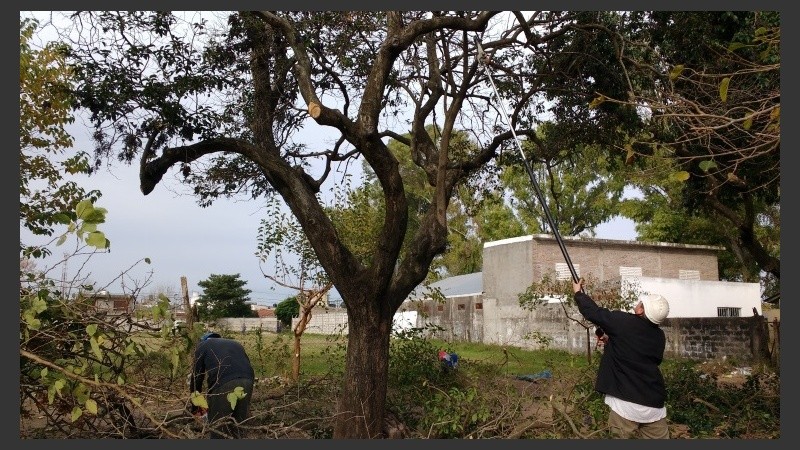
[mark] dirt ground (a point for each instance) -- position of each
(540, 404)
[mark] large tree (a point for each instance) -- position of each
(347, 70)
(223, 296)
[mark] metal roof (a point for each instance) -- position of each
(469, 284)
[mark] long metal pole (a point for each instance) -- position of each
(482, 58)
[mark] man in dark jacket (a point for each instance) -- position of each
(629, 373)
(225, 365)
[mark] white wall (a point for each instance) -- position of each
(700, 298)
(404, 321)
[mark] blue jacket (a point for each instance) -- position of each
(629, 368)
(221, 360)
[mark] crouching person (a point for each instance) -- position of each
(225, 366)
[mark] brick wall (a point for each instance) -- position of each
(602, 258)
(745, 339)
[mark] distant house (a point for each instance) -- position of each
(262, 310)
(687, 275)
(114, 304)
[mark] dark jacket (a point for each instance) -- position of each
(221, 360)
(629, 367)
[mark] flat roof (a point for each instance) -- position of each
(549, 237)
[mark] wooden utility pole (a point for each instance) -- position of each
(187, 307)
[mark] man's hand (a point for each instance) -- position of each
(198, 411)
(602, 337)
(577, 286)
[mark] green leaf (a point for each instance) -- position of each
(234, 396)
(629, 156)
(120, 380)
(199, 399)
(33, 323)
(723, 89)
(233, 399)
(81, 393)
(38, 305)
(748, 122)
(97, 239)
(91, 329)
(707, 165)
(88, 227)
(84, 209)
(679, 176)
(77, 412)
(676, 72)
(732, 177)
(62, 218)
(96, 347)
(91, 406)
(97, 215)
(735, 46)
(597, 101)
(61, 240)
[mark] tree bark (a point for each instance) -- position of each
(361, 406)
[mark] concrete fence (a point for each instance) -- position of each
(473, 319)
(323, 321)
(243, 324)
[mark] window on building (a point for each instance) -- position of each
(478, 305)
(440, 308)
(625, 271)
(727, 311)
(689, 274)
(563, 273)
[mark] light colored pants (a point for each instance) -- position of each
(627, 429)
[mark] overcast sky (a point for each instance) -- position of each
(182, 239)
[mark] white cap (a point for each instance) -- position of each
(656, 307)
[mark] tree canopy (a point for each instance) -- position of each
(45, 109)
(223, 296)
(287, 309)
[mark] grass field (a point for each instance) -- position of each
(270, 354)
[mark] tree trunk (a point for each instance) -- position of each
(361, 406)
(299, 329)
